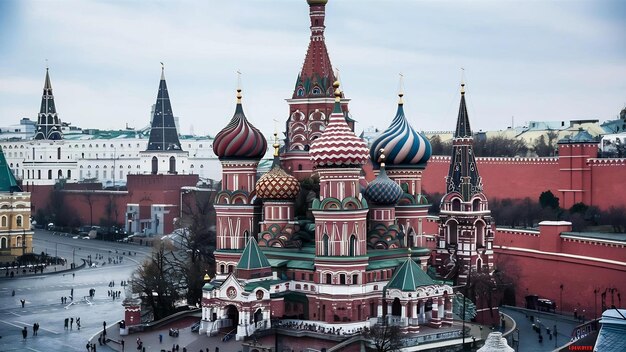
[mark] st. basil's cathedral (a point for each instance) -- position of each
(357, 256)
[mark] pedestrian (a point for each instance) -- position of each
(100, 340)
(13, 293)
(23, 302)
(78, 323)
(71, 323)
(73, 275)
(24, 333)
(67, 323)
(160, 338)
(34, 329)
(88, 346)
(122, 345)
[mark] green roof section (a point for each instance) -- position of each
(8, 183)
(409, 277)
(252, 257)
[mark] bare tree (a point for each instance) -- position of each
(159, 284)
(384, 337)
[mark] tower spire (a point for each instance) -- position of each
(48, 123)
(463, 175)
(317, 75)
(163, 132)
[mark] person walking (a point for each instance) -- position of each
(160, 338)
(71, 323)
(23, 301)
(66, 324)
(78, 323)
(24, 333)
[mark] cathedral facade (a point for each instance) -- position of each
(356, 257)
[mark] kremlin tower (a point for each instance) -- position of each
(466, 227)
(163, 154)
(48, 122)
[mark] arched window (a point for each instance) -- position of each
(342, 279)
(325, 245)
(172, 165)
(456, 204)
(4, 221)
(3, 243)
(18, 221)
(49, 174)
(300, 92)
(480, 234)
(452, 232)
(352, 246)
(316, 90)
(355, 279)
(60, 175)
(329, 278)
(476, 205)
(155, 165)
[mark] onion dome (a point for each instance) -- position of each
(338, 146)
(405, 148)
(239, 139)
(383, 190)
(277, 184)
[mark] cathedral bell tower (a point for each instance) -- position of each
(313, 100)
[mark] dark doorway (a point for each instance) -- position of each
(396, 307)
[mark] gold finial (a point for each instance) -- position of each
(462, 80)
(410, 252)
(207, 278)
(381, 158)
(401, 89)
(276, 145)
(337, 92)
(238, 87)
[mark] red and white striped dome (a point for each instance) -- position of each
(338, 146)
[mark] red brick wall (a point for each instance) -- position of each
(536, 271)
(529, 177)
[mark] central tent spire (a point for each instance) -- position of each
(163, 132)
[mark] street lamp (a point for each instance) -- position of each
(561, 298)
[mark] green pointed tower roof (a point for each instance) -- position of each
(409, 277)
(252, 257)
(8, 183)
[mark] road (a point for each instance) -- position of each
(42, 294)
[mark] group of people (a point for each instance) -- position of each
(69, 323)
(115, 294)
(35, 331)
(91, 347)
(64, 299)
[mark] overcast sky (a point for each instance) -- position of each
(534, 60)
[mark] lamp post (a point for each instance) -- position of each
(561, 298)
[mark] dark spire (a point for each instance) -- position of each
(316, 78)
(463, 175)
(48, 123)
(163, 133)
(462, 125)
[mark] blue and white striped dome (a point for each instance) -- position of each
(404, 147)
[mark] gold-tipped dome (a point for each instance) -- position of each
(277, 184)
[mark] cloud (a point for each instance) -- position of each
(534, 60)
